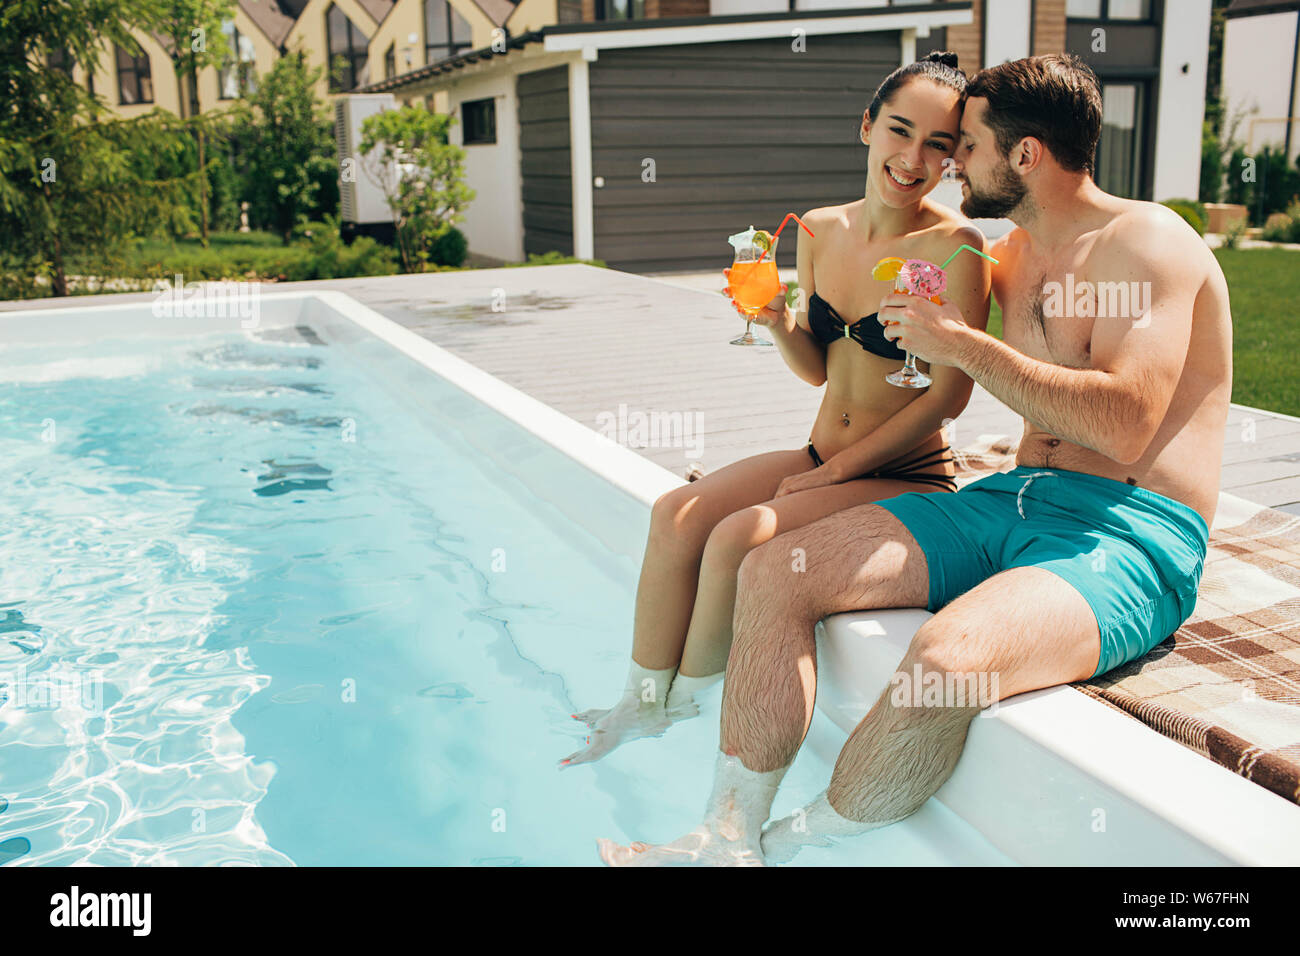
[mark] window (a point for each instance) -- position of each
(620, 9)
(1129, 10)
(237, 77)
(479, 121)
(1119, 152)
(134, 81)
(348, 56)
(60, 60)
(390, 61)
(446, 32)
(1108, 9)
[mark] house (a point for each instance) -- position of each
(365, 40)
(1261, 73)
(588, 121)
(643, 132)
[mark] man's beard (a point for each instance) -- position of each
(1005, 195)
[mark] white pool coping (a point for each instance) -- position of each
(1053, 759)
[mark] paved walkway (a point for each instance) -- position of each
(604, 346)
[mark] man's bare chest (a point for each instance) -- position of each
(1050, 316)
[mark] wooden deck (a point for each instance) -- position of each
(595, 343)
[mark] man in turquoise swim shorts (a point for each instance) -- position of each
(1117, 352)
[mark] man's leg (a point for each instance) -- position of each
(859, 558)
(1022, 629)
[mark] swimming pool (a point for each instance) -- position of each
(281, 596)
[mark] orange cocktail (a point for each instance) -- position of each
(752, 280)
(754, 284)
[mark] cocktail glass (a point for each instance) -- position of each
(909, 376)
(753, 280)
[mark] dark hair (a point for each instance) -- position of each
(939, 67)
(1054, 98)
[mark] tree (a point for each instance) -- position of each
(284, 145)
(193, 31)
(71, 180)
(405, 153)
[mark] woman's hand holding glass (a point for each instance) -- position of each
(774, 315)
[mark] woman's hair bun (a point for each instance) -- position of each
(939, 67)
(946, 57)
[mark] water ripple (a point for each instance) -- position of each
(120, 710)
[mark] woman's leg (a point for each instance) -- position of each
(680, 524)
(708, 637)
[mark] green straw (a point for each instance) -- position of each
(976, 251)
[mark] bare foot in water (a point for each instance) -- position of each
(701, 847)
(781, 841)
(629, 719)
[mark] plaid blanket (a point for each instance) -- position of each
(1227, 683)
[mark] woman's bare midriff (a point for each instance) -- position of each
(856, 390)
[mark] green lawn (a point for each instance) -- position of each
(1264, 287)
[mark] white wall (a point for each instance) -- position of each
(1181, 110)
(719, 8)
(494, 220)
(1006, 30)
(1258, 53)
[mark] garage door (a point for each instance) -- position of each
(696, 142)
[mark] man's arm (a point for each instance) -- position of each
(1116, 407)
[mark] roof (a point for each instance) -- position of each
(498, 11)
(275, 20)
(1253, 8)
(269, 18)
(378, 9)
(594, 29)
(450, 63)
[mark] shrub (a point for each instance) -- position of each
(1232, 235)
(325, 256)
(318, 254)
(1277, 183)
(407, 154)
(1283, 226)
(449, 249)
(282, 144)
(1212, 160)
(1191, 211)
(554, 258)
(1238, 189)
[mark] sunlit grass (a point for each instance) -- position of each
(1264, 289)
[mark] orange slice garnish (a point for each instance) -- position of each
(887, 269)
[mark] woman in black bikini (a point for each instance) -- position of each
(871, 440)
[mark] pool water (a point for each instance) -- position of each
(316, 606)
